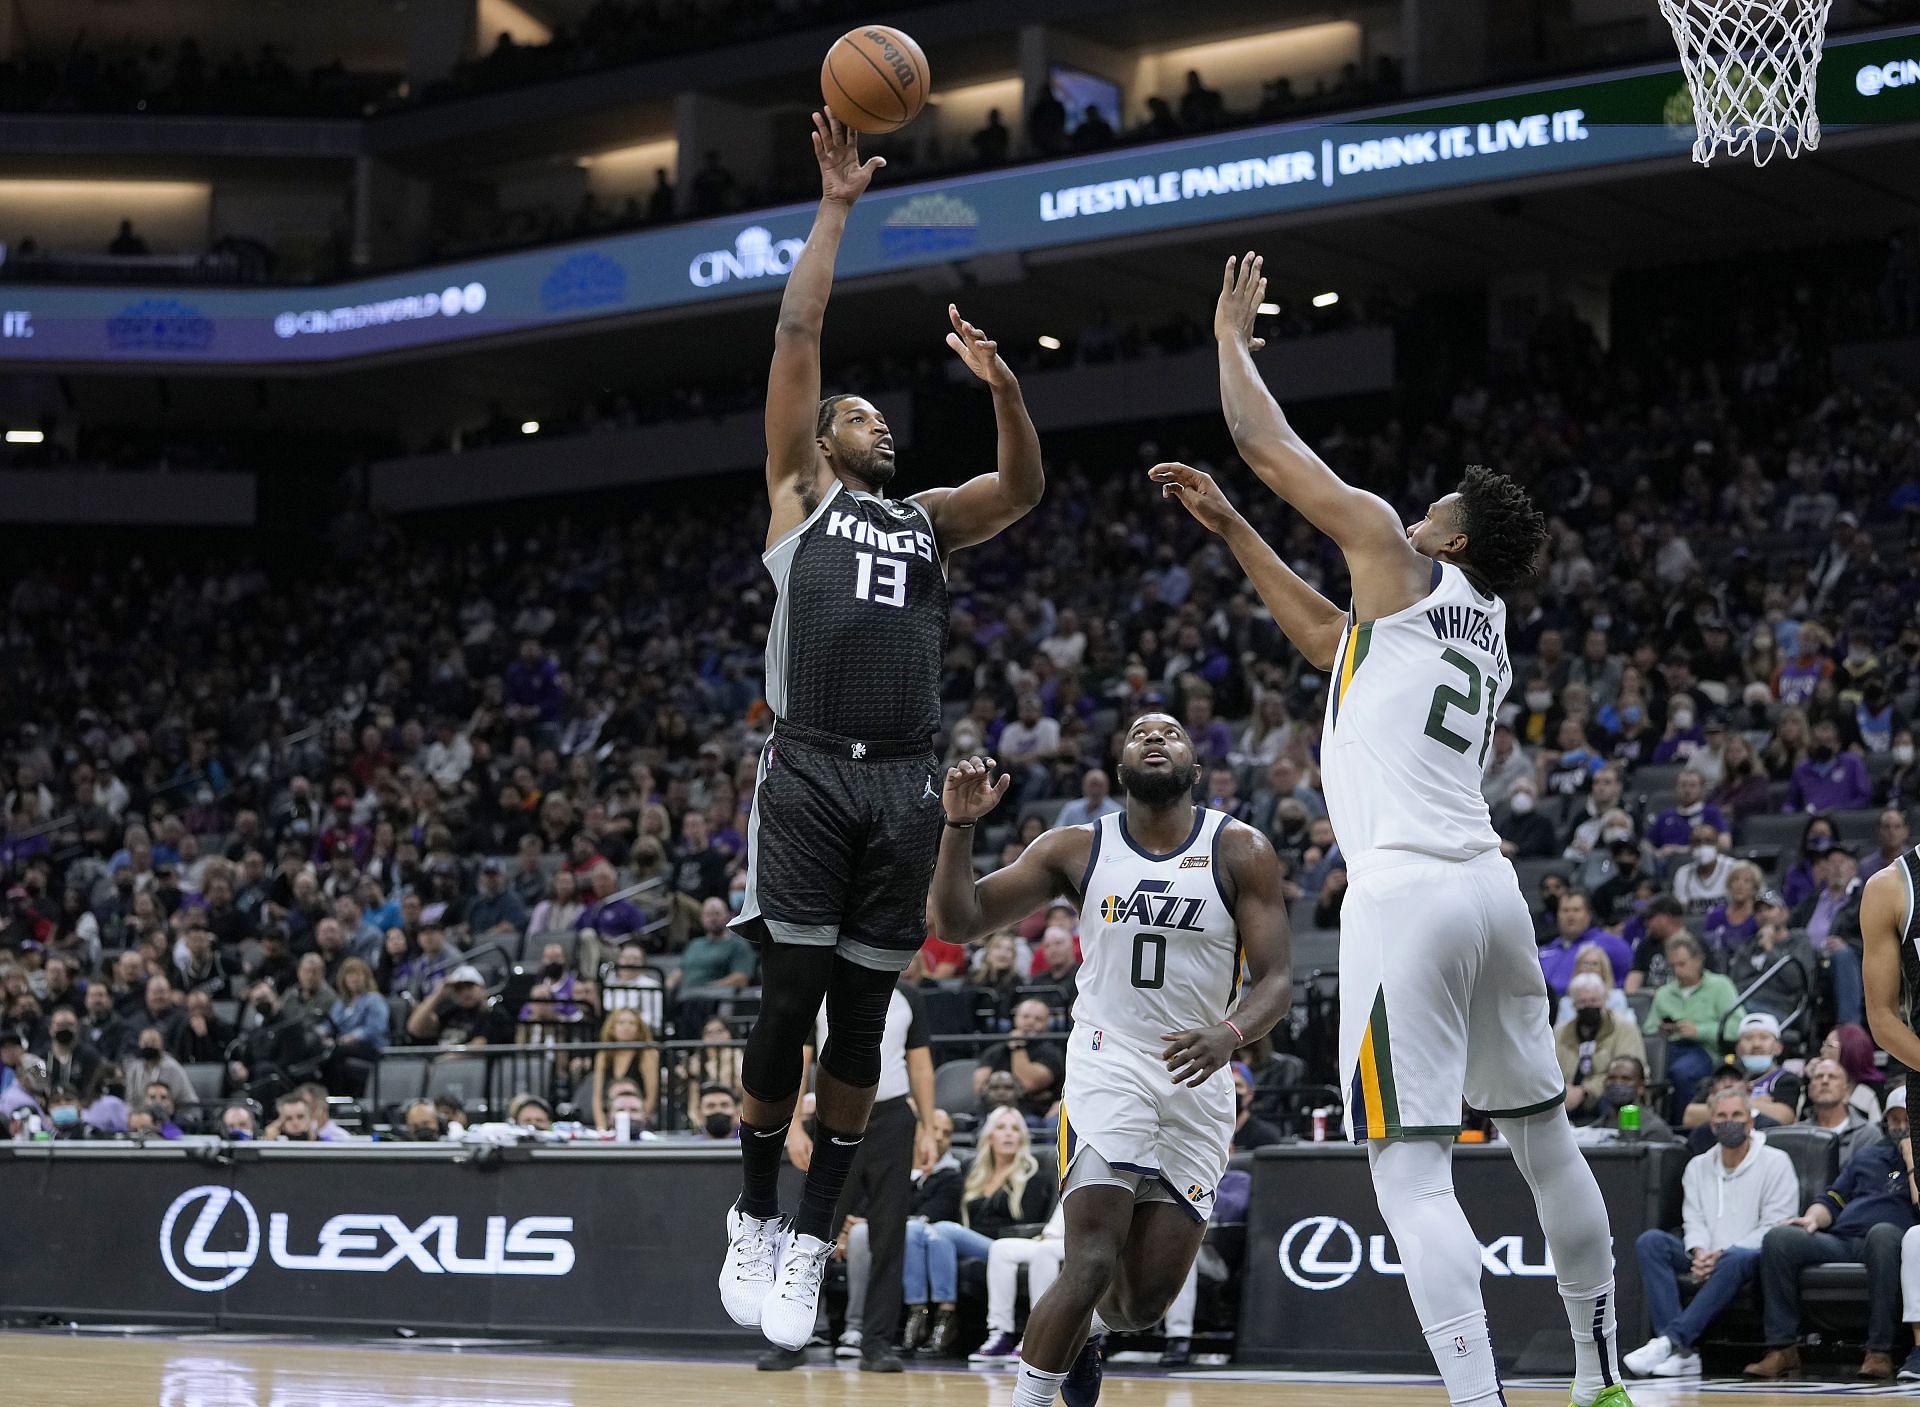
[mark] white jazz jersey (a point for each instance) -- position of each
(1159, 946)
(1161, 954)
(1409, 723)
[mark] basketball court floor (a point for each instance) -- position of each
(120, 1369)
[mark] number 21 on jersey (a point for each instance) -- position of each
(1469, 701)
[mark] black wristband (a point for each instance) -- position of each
(958, 825)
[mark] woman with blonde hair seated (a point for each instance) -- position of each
(623, 1024)
(1593, 958)
(999, 1193)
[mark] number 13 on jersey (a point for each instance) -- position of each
(881, 580)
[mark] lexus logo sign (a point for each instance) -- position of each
(1324, 1253)
(1320, 1253)
(370, 1243)
(195, 1266)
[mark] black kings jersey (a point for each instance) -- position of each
(1909, 865)
(859, 629)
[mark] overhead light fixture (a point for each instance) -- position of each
(1050, 343)
(1325, 300)
(1267, 310)
(26, 437)
(529, 427)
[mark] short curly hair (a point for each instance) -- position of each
(1505, 532)
(823, 418)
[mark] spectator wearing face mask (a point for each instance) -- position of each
(1829, 778)
(1684, 735)
(71, 1062)
(1589, 1041)
(1702, 881)
(1773, 1088)
(719, 1113)
(1507, 766)
(1625, 1086)
(1731, 1195)
(150, 1064)
(1524, 833)
(63, 1112)
(237, 1123)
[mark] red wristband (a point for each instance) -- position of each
(1227, 1021)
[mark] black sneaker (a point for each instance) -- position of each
(881, 1360)
(1177, 1354)
(1082, 1387)
(1910, 1370)
(780, 1360)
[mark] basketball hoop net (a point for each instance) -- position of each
(1751, 67)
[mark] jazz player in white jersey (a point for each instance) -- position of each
(1175, 898)
(1441, 994)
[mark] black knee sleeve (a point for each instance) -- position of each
(793, 982)
(857, 1001)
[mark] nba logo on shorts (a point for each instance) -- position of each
(1098, 1036)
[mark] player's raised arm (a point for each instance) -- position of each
(1365, 526)
(793, 383)
(983, 506)
(1883, 916)
(1260, 915)
(964, 908)
(1309, 620)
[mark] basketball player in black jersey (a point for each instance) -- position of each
(846, 815)
(1890, 941)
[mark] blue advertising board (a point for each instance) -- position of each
(1250, 173)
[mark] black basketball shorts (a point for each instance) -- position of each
(840, 848)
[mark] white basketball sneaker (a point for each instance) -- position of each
(753, 1257)
(787, 1315)
(1650, 1355)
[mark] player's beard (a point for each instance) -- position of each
(1157, 789)
(869, 466)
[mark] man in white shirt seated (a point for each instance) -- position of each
(1733, 1195)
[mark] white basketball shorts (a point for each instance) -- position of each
(1121, 1102)
(1442, 1001)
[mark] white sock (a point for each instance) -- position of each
(1464, 1355)
(1035, 1387)
(1574, 1217)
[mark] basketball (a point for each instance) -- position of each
(875, 79)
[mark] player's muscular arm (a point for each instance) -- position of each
(1388, 575)
(963, 908)
(986, 505)
(793, 382)
(1260, 915)
(1882, 915)
(1309, 620)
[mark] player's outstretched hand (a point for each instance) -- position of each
(979, 351)
(1194, 1055)
(970, 791)
(1197, 493)
(1242, 291)
(843, 177)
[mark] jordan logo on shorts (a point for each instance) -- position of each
(929, 793)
